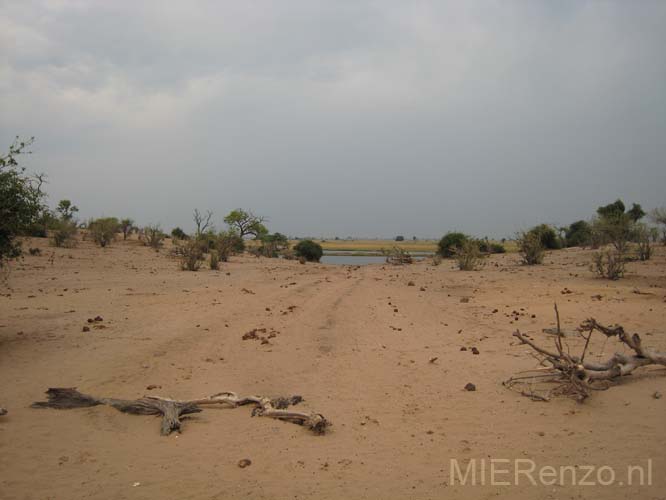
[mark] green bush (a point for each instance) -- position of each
(190, 255)
(103, 230)
(468, 256)
(214, 260)
(486, 246)
(578, 234)
(272, 245)
(530, 248)
(450, 242)
(64, 233)
(178, 234)
(309, 250)
(229, 243)
(547, 236)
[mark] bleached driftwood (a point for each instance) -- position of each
(171, 409)
(574, 373)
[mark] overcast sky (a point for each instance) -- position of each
(362, 118)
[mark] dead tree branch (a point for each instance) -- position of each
(577, 376)
(171, 410)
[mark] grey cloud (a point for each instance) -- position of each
(361, 118)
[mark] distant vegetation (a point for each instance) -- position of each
(309, 250)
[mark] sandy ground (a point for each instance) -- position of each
(357, 346)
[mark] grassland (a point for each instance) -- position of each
(429, 246)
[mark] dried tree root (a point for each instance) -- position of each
(171, 410)
(583, 375)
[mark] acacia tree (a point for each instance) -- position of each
(20, 200)
(126, 226)
(245, 223)
(66, 210)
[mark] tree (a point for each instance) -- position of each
(547, 236)
(202, 221)
(636, 213)
(126, 226)
(578, 234)
(178, 234)
(66, 210)
(245, 223)
(20, 200)
(399, 238)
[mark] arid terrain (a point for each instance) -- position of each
(358, 343)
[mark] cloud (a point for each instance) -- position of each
(347, 117)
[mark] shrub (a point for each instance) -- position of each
(272, 245)
(190, 255)
(34, 251)
(103, 230)
(486, 246)
(449, 242)
(397, 256)
(547, 236)
(178, 234)
(229, 243)
(643, 236)
(436, 259)
(214, 260)
(64, 233)
(309, 250)
(468, 256)
(153, 236)
(578, 234)
(608, 264)
(399, 238)
(530, 248)
(126, 227)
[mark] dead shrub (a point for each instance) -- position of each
(608, 264)
(190, 255)
(153, 236)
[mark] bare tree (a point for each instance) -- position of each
(202, 221)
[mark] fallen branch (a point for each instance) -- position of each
(578, 376)
(172, 410)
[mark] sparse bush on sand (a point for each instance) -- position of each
(64, 233)
(214, 260)
(468, 256)
(103, 230)
(309, 250)
(608, 264)
(530, 248)
(190, 255)
(228, 244)
(153, 236)
(397, 256)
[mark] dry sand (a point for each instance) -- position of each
(357, 346)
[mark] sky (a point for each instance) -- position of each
(340, 118)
